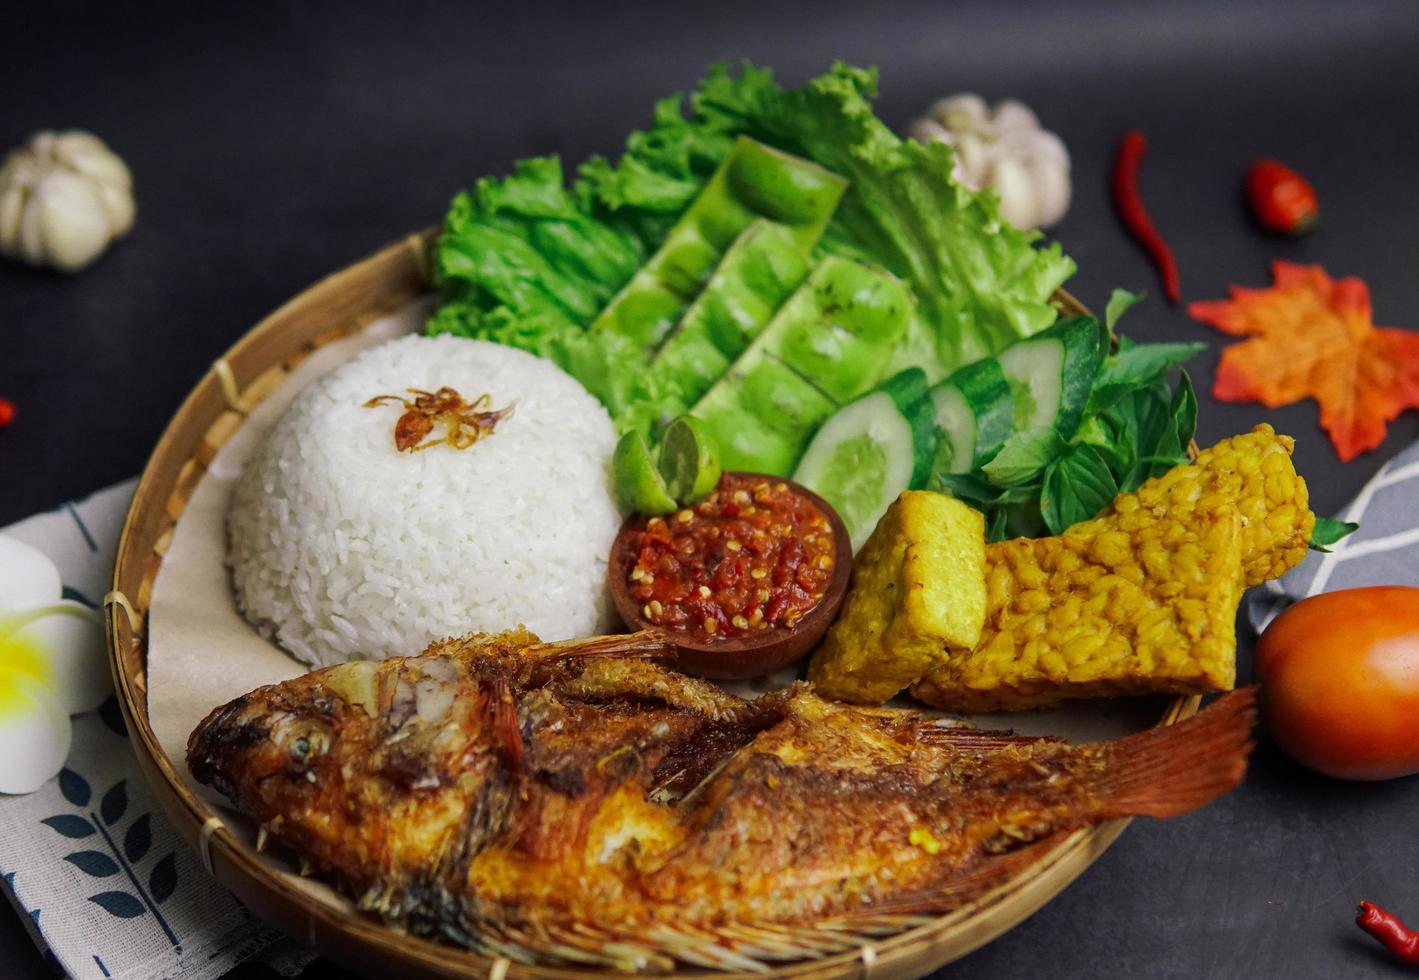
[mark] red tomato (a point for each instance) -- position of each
(1282, 200)
(1340, 682)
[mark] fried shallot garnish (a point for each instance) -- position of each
(464, 422)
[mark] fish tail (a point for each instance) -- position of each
(1172, 770)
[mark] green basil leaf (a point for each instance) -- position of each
(980, 493)
(1184, 411)
(1024, 456)
(1135, 366)
(1095, 431)
(1120, 302)
(1149, 419)
(1328, 531)
(1077, 486)
(995, 525)
(1024, 521)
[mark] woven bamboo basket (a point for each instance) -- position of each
(333, 308)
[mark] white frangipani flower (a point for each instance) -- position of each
(52, 665)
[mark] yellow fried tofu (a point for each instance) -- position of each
(1141, 599)
(918, 586)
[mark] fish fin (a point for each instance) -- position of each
(645, 644)
(503, 722)
(1175, 769)
(978, 740)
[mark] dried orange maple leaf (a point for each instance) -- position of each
(1312, 336)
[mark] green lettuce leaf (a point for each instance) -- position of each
(526, 261)
(979, 283)
(520, 262)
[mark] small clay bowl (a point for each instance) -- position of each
(751, 654)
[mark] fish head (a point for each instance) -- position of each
(400, 720)
(270, 732)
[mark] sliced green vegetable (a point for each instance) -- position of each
(871, 450)
(527, 262)
(760, 270)
(753, 180)
(975, 412)
(826, 345)
(762, 415)
(858, 314)
(1051, 374)
(979, 283)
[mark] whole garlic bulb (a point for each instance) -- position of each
(1006, 149)
(63, 198)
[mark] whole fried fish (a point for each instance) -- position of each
(554, 800)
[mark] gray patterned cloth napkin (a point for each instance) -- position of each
(104, 886)
(1384, 551)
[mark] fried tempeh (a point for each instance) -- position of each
(1141, 599)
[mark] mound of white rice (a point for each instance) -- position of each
(343, 548)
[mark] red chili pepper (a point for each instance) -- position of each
(1135, 216)
(1394, 935)
(1281, 199)
(7, 412)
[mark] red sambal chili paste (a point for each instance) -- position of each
(753, 555)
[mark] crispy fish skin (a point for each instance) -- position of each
(502, 787)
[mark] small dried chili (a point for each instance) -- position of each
(1135, 215)
(1394, 935)
(7, 412)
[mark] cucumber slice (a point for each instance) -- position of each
(1050, 374)
(870, 450)
(955, 430)
(975, 412)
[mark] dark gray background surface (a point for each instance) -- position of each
(275, 143)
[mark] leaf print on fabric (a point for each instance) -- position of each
(121, 904)
(95, 863)
(115, 802)
(70, 825)
(138, 839)
(74, 787)
(125, 850)
(163, 881)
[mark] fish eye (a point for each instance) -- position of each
(301, 748)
